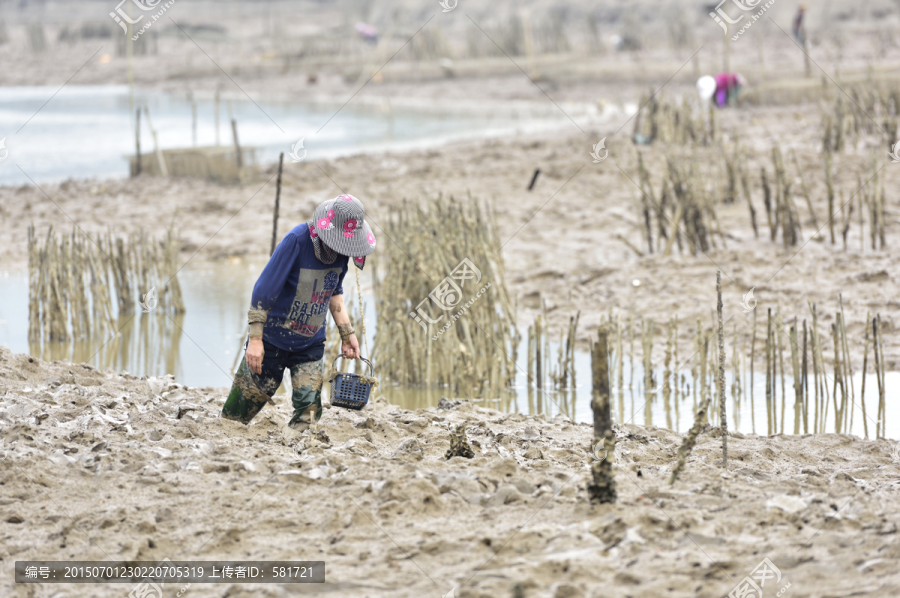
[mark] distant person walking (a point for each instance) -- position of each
(798, 28)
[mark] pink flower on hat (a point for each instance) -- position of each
(330, 214)
(312, 232)
(324, 223)
(347, 197)
(350, 227)
(371, 239)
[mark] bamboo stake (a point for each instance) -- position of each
(752, 356)
(862, 236)
(769, 374)
(620, 353)
(806, 194)
(805, 383)
(631, 350)
(838, 410)
(723, 420)
(779, 345)
(690, 440)
(745, 185)
(705, 396)
(667, 373)
(277, 199)
(862, 390)
(603, 489)
(647, 342)
(848, 367)
(879, 430)
(883, 387)
(830, 190)
(813, 332)
(239, 159)
(798, 381)
(767, 202)
(538, 361)
(530, 355)
(137, 142)
(34, 280)
(736, 374)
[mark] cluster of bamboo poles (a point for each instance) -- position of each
(870, 199)
(74, 281)
(841, 381)
(774, 355)
(541, 373)
(778, 199)
(683, 204)
(795, 351)
(871, 109)
(843, 374)
(783, 215)
(460, 332)
(688, 123)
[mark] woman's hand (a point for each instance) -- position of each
(255, 354)
(350, 347)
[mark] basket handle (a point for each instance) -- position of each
(361, 358)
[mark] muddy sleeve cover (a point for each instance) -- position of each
(273, 278)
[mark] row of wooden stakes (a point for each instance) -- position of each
(75, 280)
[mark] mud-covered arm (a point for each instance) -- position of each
(270, 284)
(349, 344)
(340, 315)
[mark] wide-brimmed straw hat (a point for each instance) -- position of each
(341, 224)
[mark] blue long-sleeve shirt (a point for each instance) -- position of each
(295, 289)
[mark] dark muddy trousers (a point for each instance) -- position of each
(251, 391)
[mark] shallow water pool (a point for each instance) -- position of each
(202, 348)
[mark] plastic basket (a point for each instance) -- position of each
(349, 390)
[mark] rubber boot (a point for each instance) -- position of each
(238, 407)
(306, 394)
